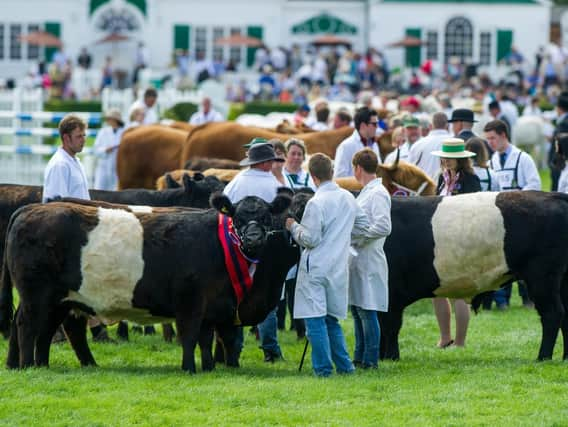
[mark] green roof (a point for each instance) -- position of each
(466, 1)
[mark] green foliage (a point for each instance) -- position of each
(259, 107)
(72, 106)
(180, 112)
(493, 381)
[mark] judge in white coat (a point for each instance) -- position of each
(206, 114)
(330, 219)
(106, 149)
(366, 122)
(368, 270)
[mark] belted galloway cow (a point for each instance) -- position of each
(463, 246)
(147, 265)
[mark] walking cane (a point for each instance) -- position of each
(304, 355)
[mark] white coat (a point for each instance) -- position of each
(421, 155)
(200, 118)
(343, 165)
(330, 218)
(517, 173)
(64, 176)
(404, 153)
(368, 271)
(252, 182)
(105, 173)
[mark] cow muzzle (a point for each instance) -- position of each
(253, 237)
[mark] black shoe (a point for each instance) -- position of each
(357, 363)
(270, 357)
(101, 335)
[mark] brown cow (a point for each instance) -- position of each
(398, 178)
(288, 128)
(146, 152)
(201, 163)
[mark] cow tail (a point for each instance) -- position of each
(6, 297)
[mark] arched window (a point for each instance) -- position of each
(458, 39)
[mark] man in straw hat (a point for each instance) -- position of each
(259, 181)
(106, 149)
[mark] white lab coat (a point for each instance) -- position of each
(150, 114)
(527, 173)
(200, 118)
(368, 270)
(105, 173)
(404, 153)
(252, 182)
(330, 218)
(65, 176)
(344, 155)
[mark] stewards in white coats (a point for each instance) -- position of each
(368, 270)
(411, 135)
(148, 104)
(515, 169)
(366, 122)
(206, 114)
(330, 219)
(106, 149)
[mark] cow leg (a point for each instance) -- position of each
(122, 330)
(390, 324)
(168, 332)
(43, 342)
(545, 289)
(30, 317)
(75, 328)
(206, 344)
(227, 334)
(564, 324)
(13, 360)
(189, 328)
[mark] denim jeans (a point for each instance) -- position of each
(503, 296)
(268, 334)
(367, 336)
(328, 344)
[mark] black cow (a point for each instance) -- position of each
(160, 265)
(466, 245)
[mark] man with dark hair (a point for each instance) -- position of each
(342, 118)
(322, 116)
(331, 219)
(497, 114)
(560, 132)
(147, 104)
(366, 122)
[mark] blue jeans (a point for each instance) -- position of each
(503, 296)
(328, 343)
(367, 336)
(268, 334)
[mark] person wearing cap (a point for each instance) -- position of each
(258, 180)
(106, 149)
(366, 122)
(412, 134)
(206, 114)
(457, 177)
(462, 121)
(301, 115)
(421, 152)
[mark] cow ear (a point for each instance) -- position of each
(188, 183)
(198, 176)
(170, 182)
(280, 204)
(286, 191)
(222, 203)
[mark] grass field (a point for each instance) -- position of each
(493, 381)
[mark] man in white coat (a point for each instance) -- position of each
(330, 219)
(366, 122)
(368, 270)
(206, 114)
(106, 149)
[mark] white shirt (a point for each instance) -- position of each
(330, 218)
(343, 165)
(319, 126)
(404, 152)
(65, 176)
(304, 179)
(368, 271)
(527, 174)
(487, 178)
(150, 114)
(252, 182)
(105, 173)
(200, 117)
(420, 153)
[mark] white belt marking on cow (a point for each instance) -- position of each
(140, 209)
(469, 238)
(111, 264)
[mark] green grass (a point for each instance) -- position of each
(493, 381)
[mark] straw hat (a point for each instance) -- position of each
(453, 148)
(115, 115)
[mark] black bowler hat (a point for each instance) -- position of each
(259, 153)
(462, 115)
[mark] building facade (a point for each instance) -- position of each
(478, 31)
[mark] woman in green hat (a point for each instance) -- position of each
(457, 177)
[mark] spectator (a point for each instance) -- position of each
(412, 133)
(106, 149)
(322, 116)
(107, 73)
(342, 118)
(84, 59)
(206, 114)
(141, 61)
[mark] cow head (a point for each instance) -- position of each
(253, 218)
(195, 191)
(299, 202)
(405, 179)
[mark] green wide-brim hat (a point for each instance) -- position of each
(453, 148)
(255, 141)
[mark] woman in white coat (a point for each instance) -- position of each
(106, 149)
(368, 269)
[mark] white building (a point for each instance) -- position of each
(479, 31)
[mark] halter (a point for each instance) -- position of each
(409, 192)
(238, 241)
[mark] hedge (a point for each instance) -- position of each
(180, 112)
(258, 107)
